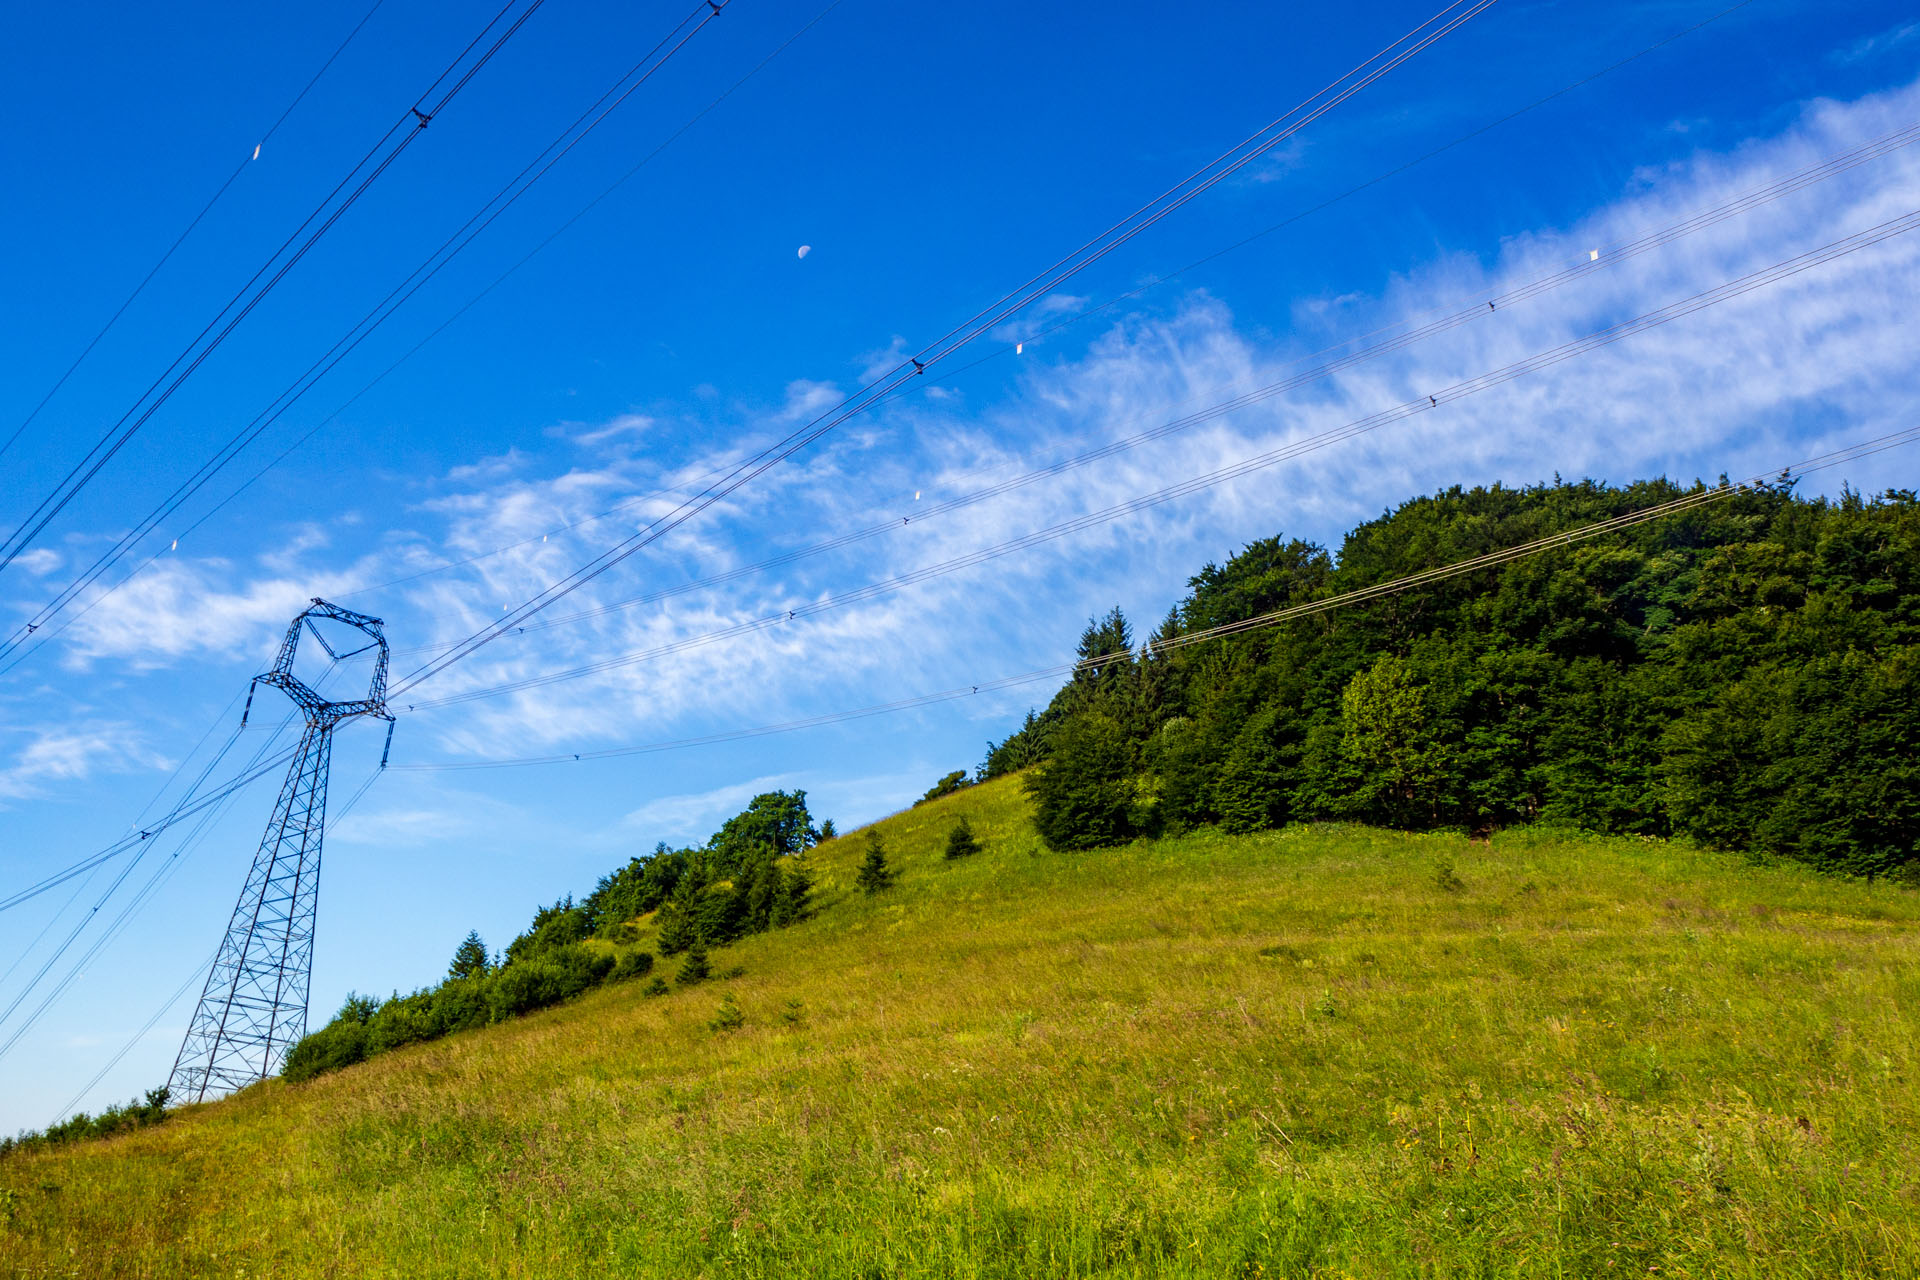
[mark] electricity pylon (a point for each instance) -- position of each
(254, 1006)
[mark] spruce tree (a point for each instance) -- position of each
(875, 874)
(676, 931)
(796, 894)
(1083, 795)
(678, 919)
(470, 960)
(764, 892)
(695, 967)
(960, 841)
(1252, 784)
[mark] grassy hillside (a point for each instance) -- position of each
(1317, 1051)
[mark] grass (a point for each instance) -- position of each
(1323, 1051)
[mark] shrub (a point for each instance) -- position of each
(136, 1114)
(461, 1005)
(960, 841)
(728, 1017)
(875, 874)
(634, 964)
(402, 1020)
(559, 925)
(795, 902)
(581, 968)
(522, 987)
(955, 781)
(1251, 788)
(557, 975)
(675, 927)
(336, 1045)
(341, 1043)
(658, 987)
(695, 967)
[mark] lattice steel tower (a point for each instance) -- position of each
(254, 1006)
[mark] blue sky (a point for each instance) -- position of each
(930, 158)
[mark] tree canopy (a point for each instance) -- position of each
(1745, 673)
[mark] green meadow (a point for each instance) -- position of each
(1316, 1051)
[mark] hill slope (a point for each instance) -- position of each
(1321, 1050)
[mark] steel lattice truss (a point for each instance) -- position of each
(254, 1006)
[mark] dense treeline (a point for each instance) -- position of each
(1745, 673)
(751, 876)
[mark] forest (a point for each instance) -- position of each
(1744, 673)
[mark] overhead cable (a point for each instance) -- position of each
(1077, 317)
(573, 525)
(181, 239)
(1427, 402)
(399, 136)
(569, 138)
(1695, 499)
(1589, 262)
(1423, 36)
(1228, 163)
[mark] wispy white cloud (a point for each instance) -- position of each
(75, 752)
(695, 816)
(630, 426)
(40, 561)
(1874, 45)
(1818, 358)
(1740, 388)
(182, 606)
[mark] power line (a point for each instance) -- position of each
(1228, 163)
(33, 624)
(1443, 23)
(166, 1006)
(197, 975)
(1074, 319)
(189, 805)
(187, 808)
(1087, 314)
(1697, 498)
(164, 872)
(330, 210)
(509, 194)
(1480, 308)
(181, 239)
(1541, 360)
(178, 769)
(1421, 404)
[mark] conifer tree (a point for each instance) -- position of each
(875, 874)
(678, 926)
(960, 841)
(470, 960)
(695, 967)
(761, 883)
(796, 894)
